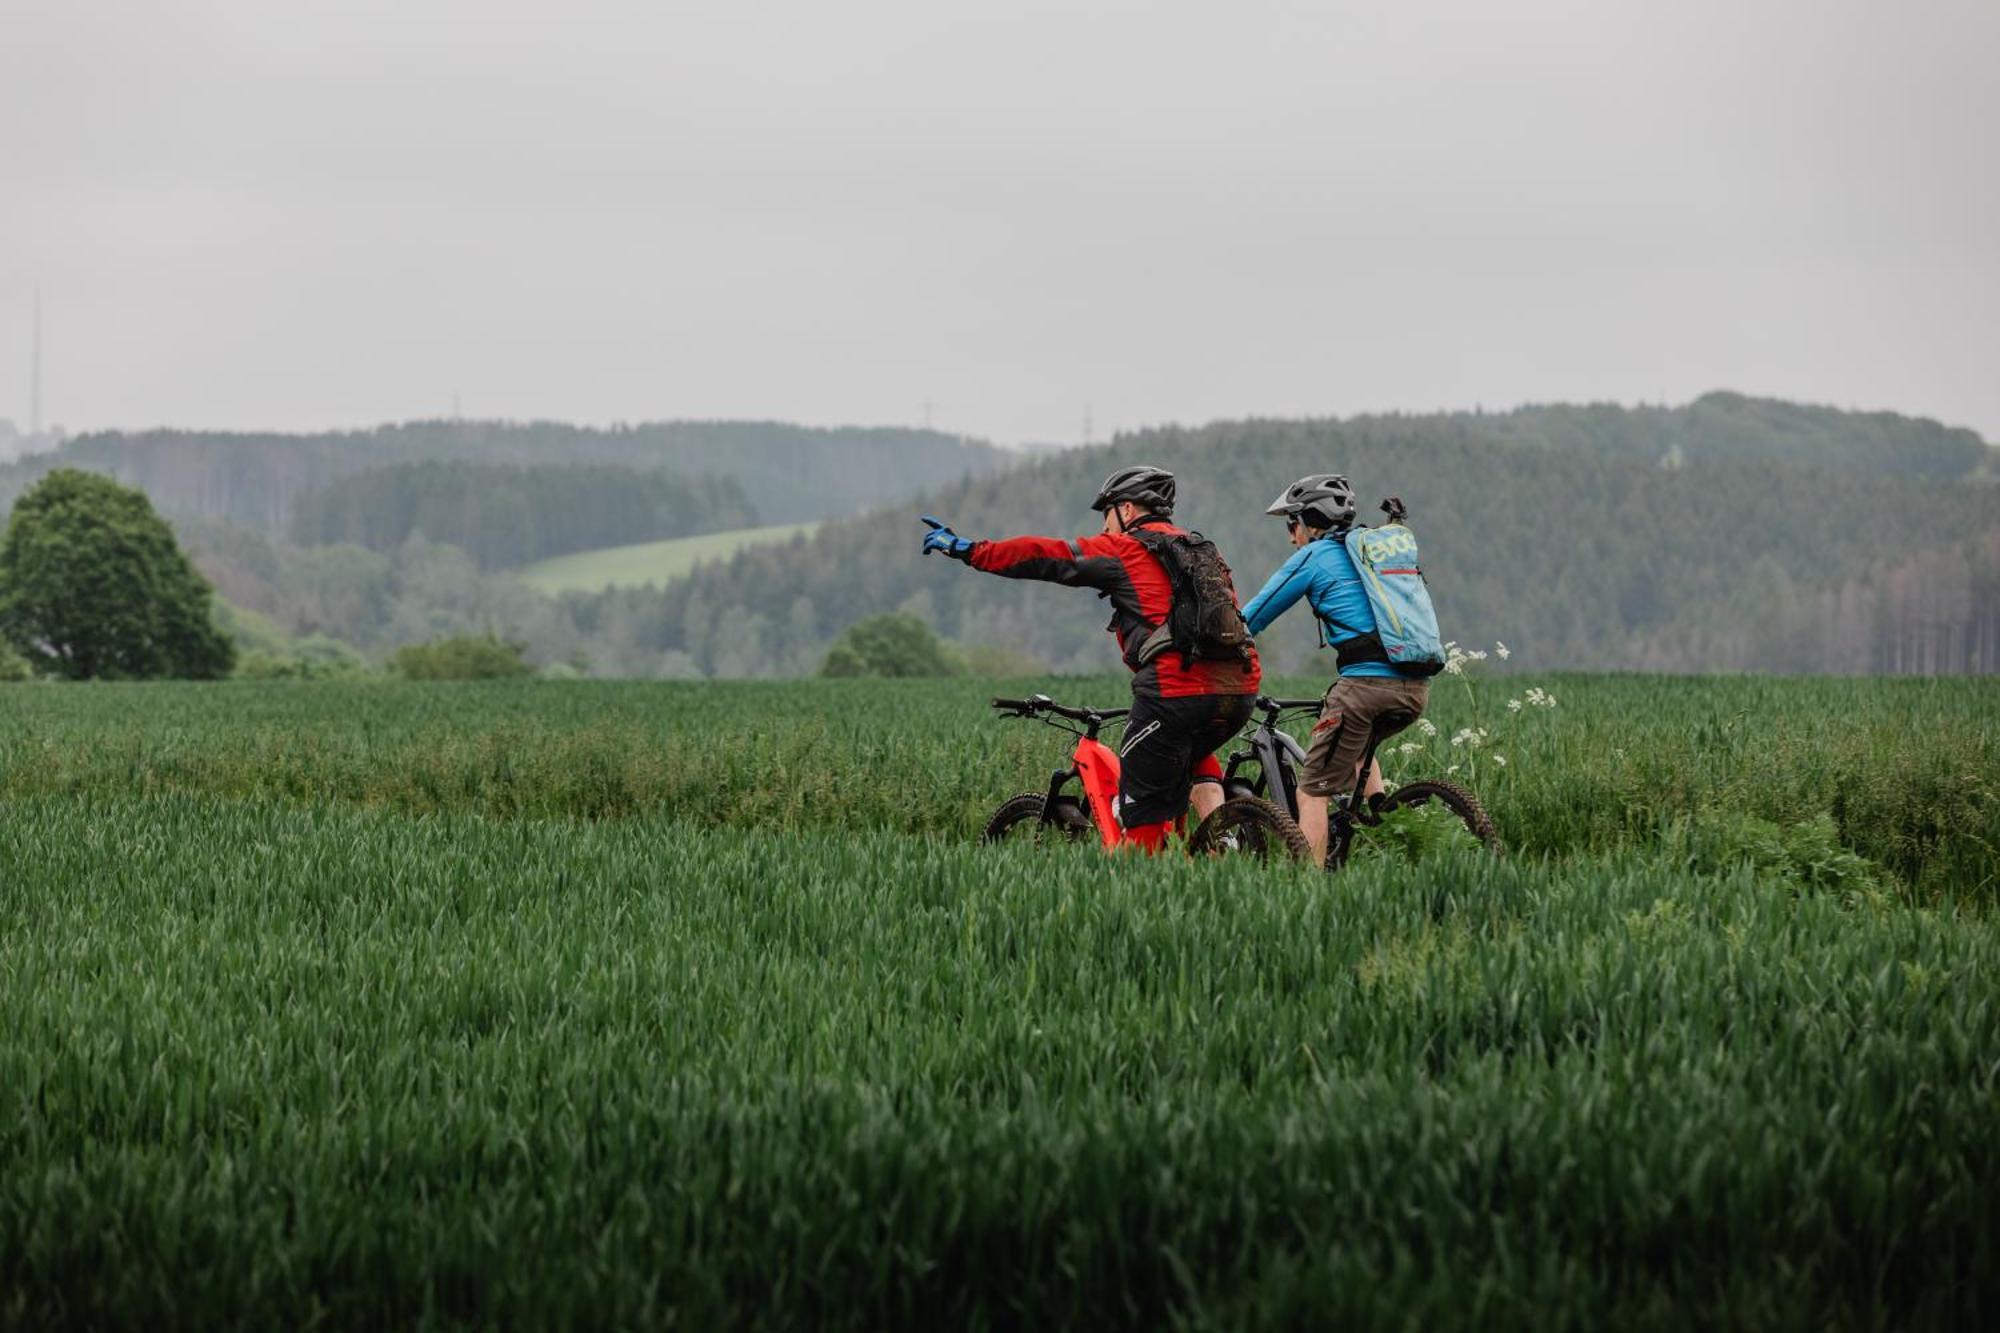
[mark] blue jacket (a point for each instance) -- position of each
(1322, 572)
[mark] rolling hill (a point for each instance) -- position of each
(789, 474)
(1729, 534)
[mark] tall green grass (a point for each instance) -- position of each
(1907, 772)
(266, 1063)
(625, 1005)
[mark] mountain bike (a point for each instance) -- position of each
(1446, 815)
(1246, 823)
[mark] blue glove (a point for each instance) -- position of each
(942, 538)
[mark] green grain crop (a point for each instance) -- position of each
(1908, 771)
(574, 1005)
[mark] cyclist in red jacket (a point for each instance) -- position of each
(1182, 712)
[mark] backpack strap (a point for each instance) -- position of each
(1161, 636)
(1359, 646)
(1157, 642)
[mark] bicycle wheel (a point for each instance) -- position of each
(1419, 820)
(1019, 819)
(1249, 825)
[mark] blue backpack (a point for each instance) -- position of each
(1405, 621)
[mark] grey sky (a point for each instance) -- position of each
(303, 215)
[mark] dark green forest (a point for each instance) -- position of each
(788, 473)
(505, 516)
(1557, 530)
(1732, 534)
(1730, 427)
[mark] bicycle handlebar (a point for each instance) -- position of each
(1265, 701)
(1041, 703)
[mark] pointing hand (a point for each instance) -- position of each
(942, 538)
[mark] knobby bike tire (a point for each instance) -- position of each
(1252, 825)
(1021, 817)
(1462, 804)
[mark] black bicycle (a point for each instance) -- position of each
(1443, 814)
(1247, 823)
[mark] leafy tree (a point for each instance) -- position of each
(888, 645)
(13, 666)
(461, 657)
(93, 585)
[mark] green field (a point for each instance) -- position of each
(596, 1004)
(650, 562)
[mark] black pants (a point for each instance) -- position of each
(1164, 740)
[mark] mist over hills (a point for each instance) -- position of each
(1729, 534)
(786, 473)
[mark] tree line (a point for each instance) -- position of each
(1574, 544)
(787, 473)
(505, 516)
(1579, 556)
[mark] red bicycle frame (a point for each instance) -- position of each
(1093, 764)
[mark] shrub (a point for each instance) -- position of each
(888, 645)
(315, 657)
(1806, 854)
(13, 666)
(461, 657)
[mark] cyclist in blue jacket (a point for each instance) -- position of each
(1318, 511)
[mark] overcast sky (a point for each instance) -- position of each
(299, 215)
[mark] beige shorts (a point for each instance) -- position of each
(1355, 706)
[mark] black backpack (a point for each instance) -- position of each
(1204, 624)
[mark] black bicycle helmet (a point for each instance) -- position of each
(1142, 485)
(1323, 500)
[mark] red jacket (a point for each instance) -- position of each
(1123, 570)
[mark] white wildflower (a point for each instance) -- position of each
(1408, 747)
(1451, 770)
(1502, 651)
(1477, 655)
(1455, 659)
(1426, 726)
(1500, 759)
(1513, 705)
